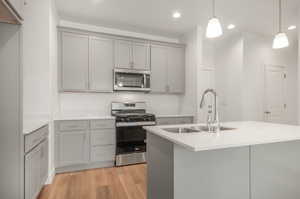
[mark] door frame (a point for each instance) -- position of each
(280, 68)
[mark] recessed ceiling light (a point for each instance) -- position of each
(230, 26)
(176, 15)
(293, 27)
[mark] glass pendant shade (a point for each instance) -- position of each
(214, 28)
(280, 41)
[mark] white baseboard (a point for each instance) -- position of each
(50, 177)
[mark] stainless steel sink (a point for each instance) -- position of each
(182, 130)
(195, 129)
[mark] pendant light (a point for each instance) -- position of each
(214, 28)
(280, 40)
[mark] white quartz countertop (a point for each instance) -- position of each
(161, 116)
(84, 117)
(32, 125)
(245, 134)
(97, 117)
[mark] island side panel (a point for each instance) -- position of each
(275, 171)
(159, 168)
(216, 174)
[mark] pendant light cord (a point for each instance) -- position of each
(214, 8)
(280, 15)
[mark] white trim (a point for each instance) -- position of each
(101, 29)
(50, 177)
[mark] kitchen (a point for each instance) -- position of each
(100, 97)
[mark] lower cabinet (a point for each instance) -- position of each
(174, 120)
(84, 144)
(36, 166)
(72, 148)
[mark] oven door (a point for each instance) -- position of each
(131, 139)
(131, 80)
(131, 145)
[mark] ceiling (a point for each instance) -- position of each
(155, 16)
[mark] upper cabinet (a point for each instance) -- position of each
(11, 11)
(87, 61)
(132, 55)
(167, 69)
(101, 64)
(159, 68)
(176, 70)
(74, 62)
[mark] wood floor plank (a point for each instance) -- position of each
(127, 182)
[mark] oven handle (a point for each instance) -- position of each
(125, 124)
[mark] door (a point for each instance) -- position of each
(176, 70)
(123, 54)
(75, 61)
(101, 65)
(33, 173)
(159, 64)
(141, 56)
(72, 148)
(274, 94)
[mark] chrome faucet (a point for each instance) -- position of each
(213, 123)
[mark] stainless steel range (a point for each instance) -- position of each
(131, 137)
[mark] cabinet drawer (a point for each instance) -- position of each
(33, 139)
(103, 153)
(103, 137)
(102, 124)
(73, 125)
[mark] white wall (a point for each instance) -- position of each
(258, 52)
(53, 21)
(189, 100)
(36, 78)
(234, 65)
(98, 104)
(229, 76)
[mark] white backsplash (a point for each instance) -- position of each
(98, 104)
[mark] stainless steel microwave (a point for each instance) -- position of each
(131, 80)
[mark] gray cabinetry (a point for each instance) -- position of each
(167, 69)
(159, 68)
(275, 171)
(36, 162)
(176, 70)
(101, 64)
(84, 144)
(123, 54)
(132, 55)
(141, 55)
(74, 61)
(72, 148)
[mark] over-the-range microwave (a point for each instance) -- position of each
(131, 80)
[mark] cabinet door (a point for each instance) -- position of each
(123, 54)
(72, 148)
(75, 61)
(44, 162)
(141, 56)
(101, 65)
(159, 64)
(176, 70)
(33, 173)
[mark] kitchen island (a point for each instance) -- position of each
(247, 160)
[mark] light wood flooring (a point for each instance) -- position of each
(127, 182)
